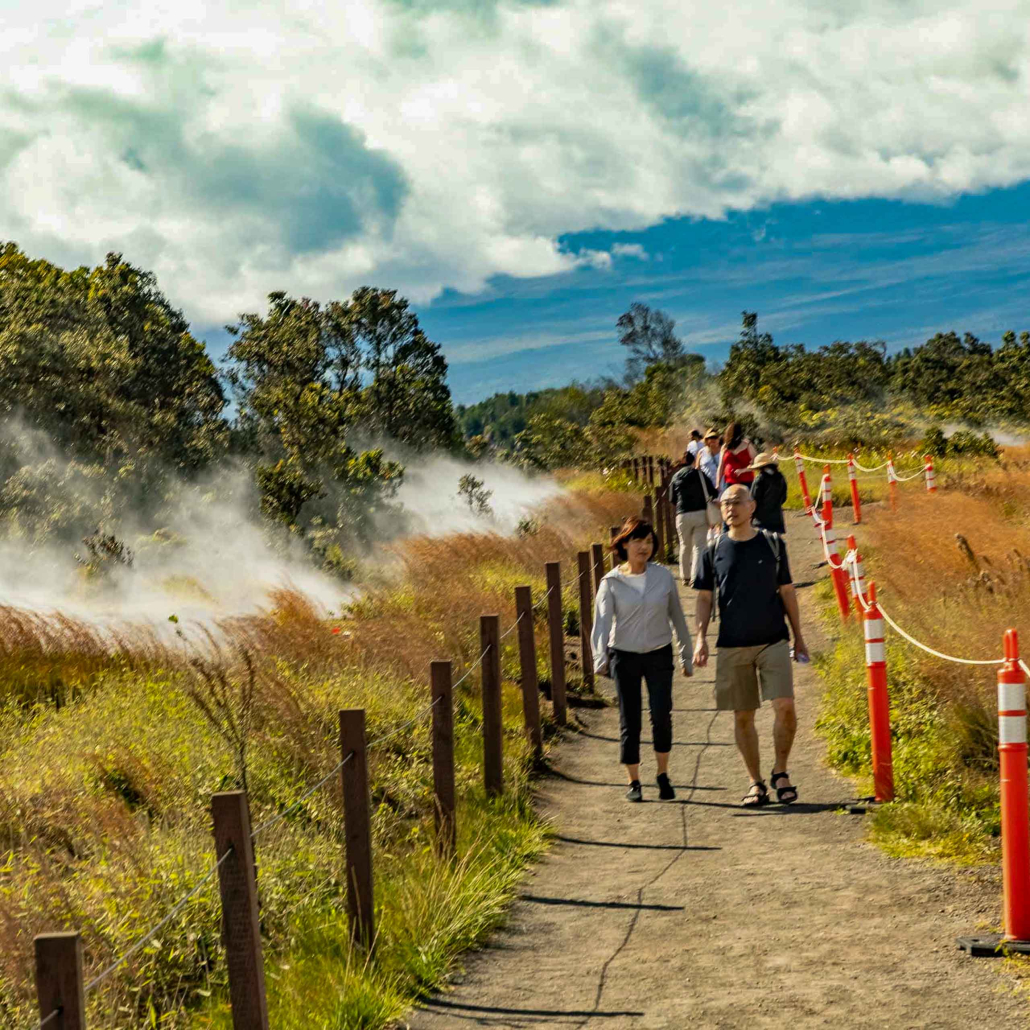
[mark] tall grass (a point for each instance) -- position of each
(107, 764)
(953, 570)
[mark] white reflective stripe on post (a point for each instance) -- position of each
(1011, 697)
(874, 652)
(873, 629)
(1011, 729)
(857, 580)
(831, 538)
(851, 472)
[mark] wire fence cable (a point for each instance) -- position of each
(164, 922)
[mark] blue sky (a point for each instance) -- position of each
(815, 272)
(523, 170)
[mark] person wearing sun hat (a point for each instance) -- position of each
(768, 491)
(708, 454)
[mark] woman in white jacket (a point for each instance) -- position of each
(637, 607)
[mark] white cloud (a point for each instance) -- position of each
(634, 250)
(418, 145)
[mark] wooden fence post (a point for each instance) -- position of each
(648, 509)
(443, 759)
(357, 827)
(241, 930)
(490, 642)
(556, 634)
(527, 667)
(59, 980)
(585, 618)
(597, 564)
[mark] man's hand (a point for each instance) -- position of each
(800, 650)
(686, 671)
(701, 653)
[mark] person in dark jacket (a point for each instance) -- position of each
(690, 490)
(768, 491)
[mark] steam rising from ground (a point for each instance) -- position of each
(212, 557)
(430, 496)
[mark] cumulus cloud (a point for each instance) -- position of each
(425, 145)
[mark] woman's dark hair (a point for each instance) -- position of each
(733, 435)
(633, 528)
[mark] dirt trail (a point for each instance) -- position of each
(697, 912)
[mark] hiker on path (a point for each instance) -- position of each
(708, 455)
(694, 446)
(768, 491)
(690, 490)
(749, 569)
(737, 454)
(636, 609)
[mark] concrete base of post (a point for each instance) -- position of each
(992, 945)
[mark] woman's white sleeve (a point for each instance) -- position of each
(680, 624)
(603, 612)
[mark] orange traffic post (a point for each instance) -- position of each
(857, 579)
(1015, 817)
(832, 557)
(827, 491)
(879, 705)
(799, 464)
(892, 482)
(931, 476)
(856, 507)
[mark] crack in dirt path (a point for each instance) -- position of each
(764, 918)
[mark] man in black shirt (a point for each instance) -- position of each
(750, 570)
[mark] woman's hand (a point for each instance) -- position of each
(686, 670)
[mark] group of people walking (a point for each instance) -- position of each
(729, 518)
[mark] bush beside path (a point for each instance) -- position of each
(650, 916)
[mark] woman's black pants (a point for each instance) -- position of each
(656, 669)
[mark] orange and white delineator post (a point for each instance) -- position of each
(857, 579)
(892, 482)
(931, 476)
(879, 705)
(837, 574)
(799, 464)
(856, 508)
(1015, 816)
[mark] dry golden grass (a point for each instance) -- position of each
(107, 765)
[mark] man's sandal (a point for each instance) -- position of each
(785, 795)
(757, 796)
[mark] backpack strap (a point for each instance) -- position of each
(775, 542)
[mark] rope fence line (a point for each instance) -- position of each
(929, 650)
(44, 1022)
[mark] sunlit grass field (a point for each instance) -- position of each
(957, 596)
(107, 765)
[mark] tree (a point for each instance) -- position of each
(407, 397)
(649, 337)
(742, 374)
(100, 361)
(549, 443)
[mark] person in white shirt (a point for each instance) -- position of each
(708, 454)
(695, 443)
(637, 607)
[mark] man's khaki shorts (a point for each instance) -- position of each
(740, 670)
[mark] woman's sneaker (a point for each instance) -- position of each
(635, 793)
(665, 791)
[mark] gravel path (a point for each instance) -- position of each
(697, 912)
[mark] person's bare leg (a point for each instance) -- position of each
(746, 736)
(784, 728)
(663, 762)
(633, 772)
